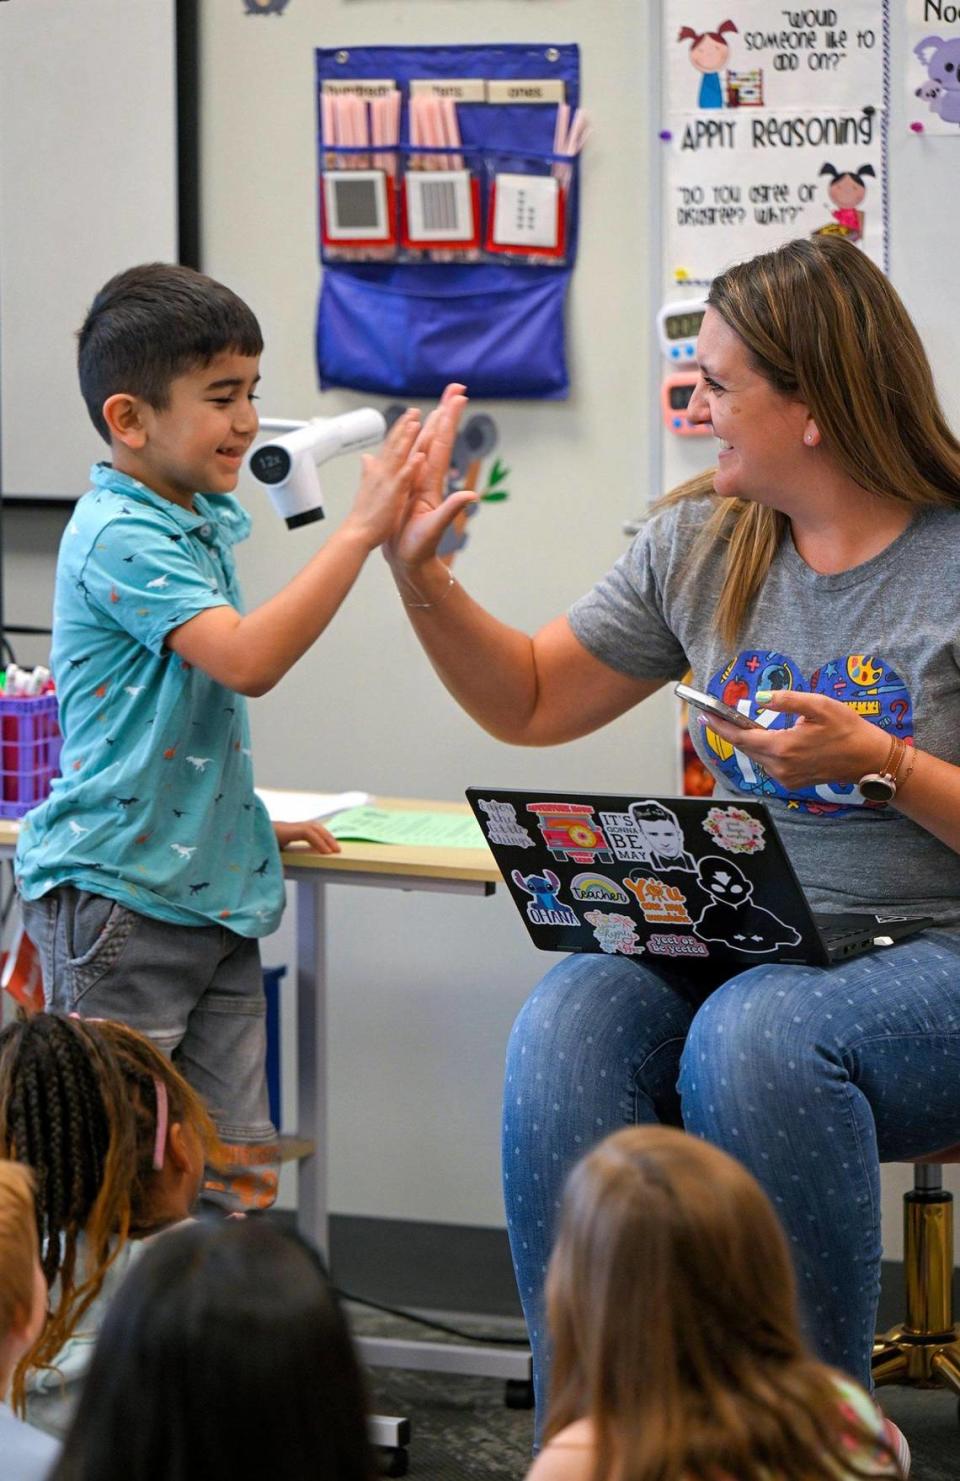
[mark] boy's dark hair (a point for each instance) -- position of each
(152, 323)
(225, 1353)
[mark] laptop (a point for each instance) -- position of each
(692, 878)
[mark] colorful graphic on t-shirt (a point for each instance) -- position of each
(864, 681)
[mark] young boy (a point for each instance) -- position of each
(150, 871)
(27, 1453)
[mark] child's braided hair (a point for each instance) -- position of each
(78, 1104)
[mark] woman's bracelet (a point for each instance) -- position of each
(451, 582)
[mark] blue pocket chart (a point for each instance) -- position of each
(447, 226)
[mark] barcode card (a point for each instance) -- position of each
(439, 206)
(355, 206)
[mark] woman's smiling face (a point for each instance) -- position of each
(761, 432)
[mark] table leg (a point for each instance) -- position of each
(312, 1059)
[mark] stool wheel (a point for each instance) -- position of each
(394, 1460)
(518, 1393)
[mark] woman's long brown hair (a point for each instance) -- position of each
(825, 327)
(672, 1308)
(78, 1106)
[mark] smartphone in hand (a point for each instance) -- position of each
(712, 706)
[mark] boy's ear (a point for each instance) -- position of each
(123, 416)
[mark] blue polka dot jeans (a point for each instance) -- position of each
(810, 1076)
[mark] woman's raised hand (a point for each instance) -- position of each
(428, 513)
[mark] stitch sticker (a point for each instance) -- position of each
(571, 833)
(503, 827)
(661, 903)
(625, 837)
(666, 945)
(614, 932)
(598, 887)
(544, 909)
(732, 917)
(735, 830)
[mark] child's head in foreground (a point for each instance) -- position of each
(224, 1354)
(168, 360)
(116, 1140)
(672, 1307)
(23, 1290)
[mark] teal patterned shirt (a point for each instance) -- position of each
(155, 806)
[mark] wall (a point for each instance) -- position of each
(424, 989)
(87, 186)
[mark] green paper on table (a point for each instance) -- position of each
(383, 825)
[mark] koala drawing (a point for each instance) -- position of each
(942, 88)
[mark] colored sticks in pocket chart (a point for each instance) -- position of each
(441, 194)
(358, 188)
(569, 136)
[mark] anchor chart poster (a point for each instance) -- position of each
(932, 76)
(774, 119)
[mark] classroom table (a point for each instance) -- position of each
(377, 866)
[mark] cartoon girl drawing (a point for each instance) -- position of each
(709, 53)
(847, 192)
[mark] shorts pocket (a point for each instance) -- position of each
(101, 929)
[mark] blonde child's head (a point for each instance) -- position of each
(23, 1290)
(672, 1307)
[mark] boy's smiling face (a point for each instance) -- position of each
(197, 443)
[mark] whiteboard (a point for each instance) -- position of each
(88, 185)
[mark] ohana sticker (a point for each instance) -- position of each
(661, 903)
(502, 825)
(735, 830)
(598, 887)
(614, 932)
(544, 908)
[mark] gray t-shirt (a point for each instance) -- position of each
(883, 636)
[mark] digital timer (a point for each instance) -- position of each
(678, 325)
(675, 394)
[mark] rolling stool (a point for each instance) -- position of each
(924, 1350)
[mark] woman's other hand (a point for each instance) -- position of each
(828, 742)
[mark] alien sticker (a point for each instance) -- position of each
(732, 917)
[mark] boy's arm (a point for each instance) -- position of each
(249, 654)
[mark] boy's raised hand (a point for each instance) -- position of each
(387, 481)
(428, 512)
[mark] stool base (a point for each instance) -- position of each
(900, 1356)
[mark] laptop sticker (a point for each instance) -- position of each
(625, 838)
(571, 833)
(863, 681)
(661, 903)
(503, 827)
(598, 887)
(667, 945)
(735, 830)
(614, 932)
(732, 917)
(662, 835)
(543, 908)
